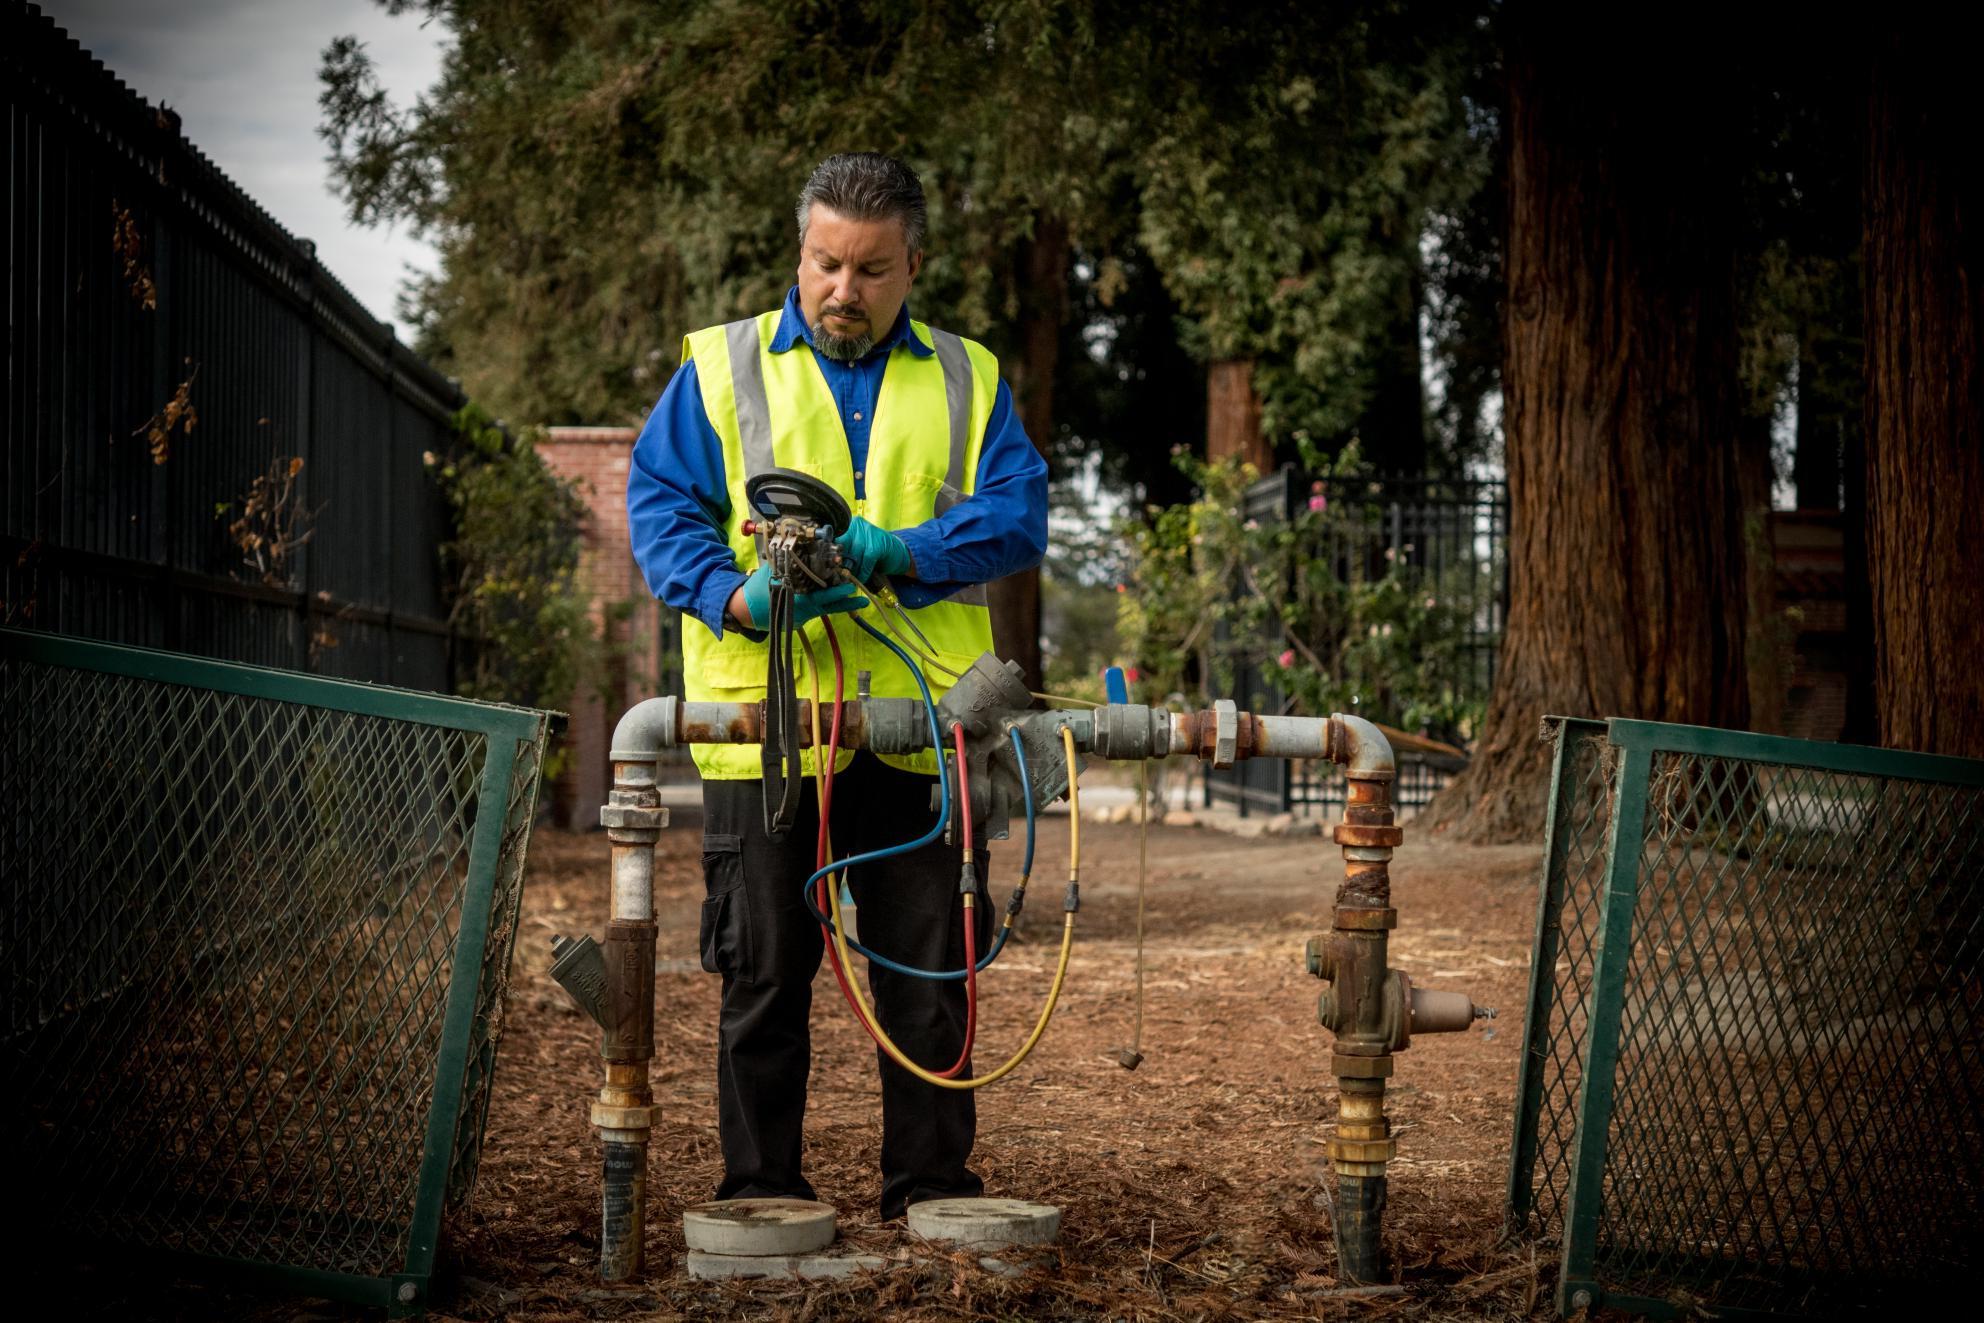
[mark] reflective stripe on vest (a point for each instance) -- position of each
(777, 410)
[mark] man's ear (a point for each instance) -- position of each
(915, 264)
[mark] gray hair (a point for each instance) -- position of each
(867, 186)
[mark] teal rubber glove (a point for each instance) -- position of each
(866, 550)
(805, 607)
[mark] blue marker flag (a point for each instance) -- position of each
(1114, 687)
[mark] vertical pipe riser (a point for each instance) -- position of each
(1362, 1144)
(623, 1189)
(624, 1111)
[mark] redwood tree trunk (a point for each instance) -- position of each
(1233, 415)
(1626, 581)
(1015, 599)
(1923, 233)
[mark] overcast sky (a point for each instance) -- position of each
(243, 76)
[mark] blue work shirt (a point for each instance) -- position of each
(678, 503)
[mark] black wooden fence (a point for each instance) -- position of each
(1454, 532)
(168, 345)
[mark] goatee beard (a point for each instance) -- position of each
(845, 348)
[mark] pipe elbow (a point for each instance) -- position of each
(1360, 747)
(646, 729)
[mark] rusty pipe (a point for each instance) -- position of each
(1356, 1007)
(623, 1114)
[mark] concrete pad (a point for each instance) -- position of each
(986, 1223)
(708, 1267)
(759, 1226)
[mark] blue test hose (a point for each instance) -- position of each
(943, 819)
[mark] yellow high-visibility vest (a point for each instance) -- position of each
(776, 410)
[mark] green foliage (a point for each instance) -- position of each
(1342, 626)
(1285, 201)
(513, 565)
(603, 178)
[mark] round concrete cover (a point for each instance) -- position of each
(759, 1226)
(986, 1222)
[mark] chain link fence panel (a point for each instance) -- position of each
(258, 931)
(1754, 1067)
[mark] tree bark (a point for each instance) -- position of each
(1626, 580)
(1043, 268)
(1233, 415)
(1923, 236)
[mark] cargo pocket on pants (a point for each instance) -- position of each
(723, 938)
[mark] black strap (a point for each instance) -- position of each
(779, 754)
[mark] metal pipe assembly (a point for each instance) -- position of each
(1371, 1008)
(1016, 759)
(624, 1112)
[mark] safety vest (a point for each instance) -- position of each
(776, 410)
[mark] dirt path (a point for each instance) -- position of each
(1193, 1188)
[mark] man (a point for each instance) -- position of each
(915, 429)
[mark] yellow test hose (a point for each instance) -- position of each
(860, 1003)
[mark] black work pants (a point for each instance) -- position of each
(757, 933)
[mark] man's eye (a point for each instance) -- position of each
(830, 266)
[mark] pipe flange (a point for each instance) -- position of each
(1226, 733)
(608, 1117)
(1362, 918)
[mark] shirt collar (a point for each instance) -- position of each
(792, 329)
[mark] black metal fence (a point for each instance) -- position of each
(1449, 532)
(211, 446)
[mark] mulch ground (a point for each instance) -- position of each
(1193, 1188)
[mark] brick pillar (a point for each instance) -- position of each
(595, 459)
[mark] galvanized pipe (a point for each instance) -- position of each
(624, 1111)
(1219, 734)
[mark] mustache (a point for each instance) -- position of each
(842, 310)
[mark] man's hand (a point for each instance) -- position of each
(866, 549)
(751, 604)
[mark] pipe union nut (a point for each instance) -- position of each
(1363, 1150)
(629, 817)
(609, 1117)
(1368, 836)
(1226, 733)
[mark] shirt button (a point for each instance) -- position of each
(857, 475)
(857, 417)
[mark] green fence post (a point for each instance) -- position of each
(1542, 972)
(492, 812)
(1576, 1288)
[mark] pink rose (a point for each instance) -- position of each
(1287, 659)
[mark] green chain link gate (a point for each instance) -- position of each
(1753, 1077)
(258, 927)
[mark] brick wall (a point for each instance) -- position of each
(596, 460)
